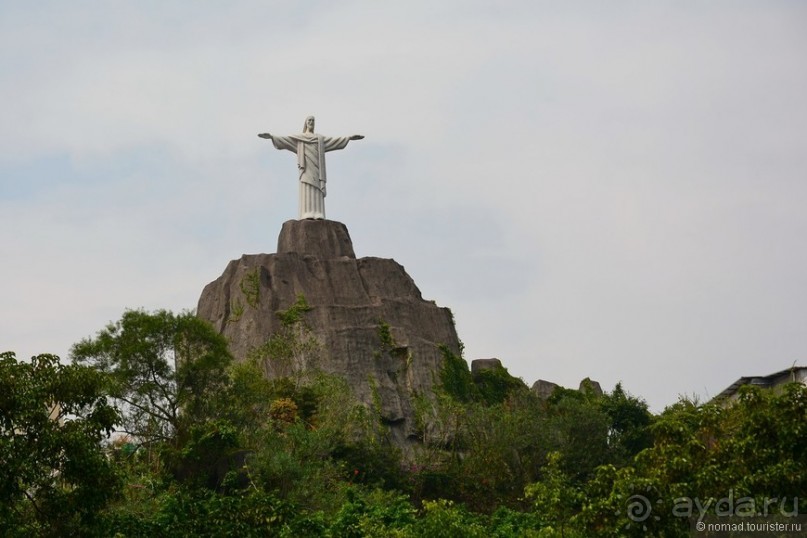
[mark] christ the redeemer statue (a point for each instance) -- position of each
(310, 149)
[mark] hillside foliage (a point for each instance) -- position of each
(158, 432)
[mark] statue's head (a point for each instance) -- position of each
(308, 126)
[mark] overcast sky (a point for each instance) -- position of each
(613, 189)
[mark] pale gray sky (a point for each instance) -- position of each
(604, 189)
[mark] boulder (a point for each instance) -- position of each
(588, 385)
(479, 365)
(544, 389)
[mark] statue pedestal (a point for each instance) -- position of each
(323, 239)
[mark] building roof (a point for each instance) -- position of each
(795, 373)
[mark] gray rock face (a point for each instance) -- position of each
(374, 327)
(478, 365)
(589, 384)
(544, 389)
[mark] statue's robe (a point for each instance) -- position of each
(310, 149)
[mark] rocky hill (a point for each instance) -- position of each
(367, 317)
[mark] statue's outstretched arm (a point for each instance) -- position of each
(265, 135)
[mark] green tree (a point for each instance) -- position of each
(165, 370)
(756, 446)
(751, 450)
(556, 500)
(54, 474)
(629, 429)
(509, 438)
(444, 519)
(577, 428)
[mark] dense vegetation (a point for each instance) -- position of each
(207, 447)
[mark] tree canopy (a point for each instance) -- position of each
(54, 475)
(231, 452)
(164, 369)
